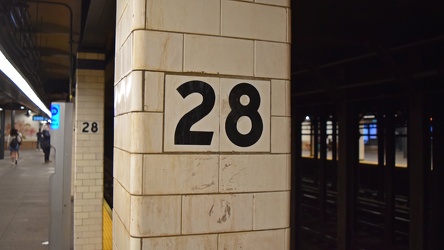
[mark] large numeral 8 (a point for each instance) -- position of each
(249, 110)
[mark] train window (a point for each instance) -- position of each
(368, 140)
(307, 138)
(311, 135)
(401, 145)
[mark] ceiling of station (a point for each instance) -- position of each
(367, 50)
(341, 50)
(42, 38)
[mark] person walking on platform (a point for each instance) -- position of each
(14, 141)
(39, 136)
(45, 143)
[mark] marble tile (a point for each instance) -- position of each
(261, 240)
(191, 16)
(180, 174)
(121, 237)
(218, 55)
(157, 51)
(280, 134)
(254, 21)
(197, 242)
(272, 60)
(278, 97)
(145, 132)
(128, 170)
(271, 210)
(285, 3)
(155, 215)
(253, 173)
(154, 91)
(217, 213)
(121, 203)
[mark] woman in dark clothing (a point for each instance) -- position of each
(13, 142)
(45, 143)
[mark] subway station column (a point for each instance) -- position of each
(88, 150)
(202, 125)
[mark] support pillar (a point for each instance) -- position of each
(347, 164)
(322, 171)
(389, 170)
(437, 203)
(202, 125)
(88, 151)
(419, 166)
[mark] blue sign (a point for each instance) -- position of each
(55, 119)
(39, 118)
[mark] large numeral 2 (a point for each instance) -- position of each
(183, 134)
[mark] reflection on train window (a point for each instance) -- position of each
(312, 134)
(401, 145)
(316, 130)
(368, 140)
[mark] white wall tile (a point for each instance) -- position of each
(121, 237)
(288, 98)
(126, 57)
(128, 170)
(217, 213)
(198, 242)
(271, 210)
(192, 16)
(154, 91)
(287, 238)
(155, 215)
(217, 55)
(180, 174)
(144, 132)
(278, 97)
(255, 21)
(253, 173)
(121, 203)
(285, 3)
(272, 60)
(128, 93)
(130, 15)
(280, 134)
(262, 240)
(154, 50)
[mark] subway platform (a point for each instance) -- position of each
(24, 201)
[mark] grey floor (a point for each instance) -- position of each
(24, 201)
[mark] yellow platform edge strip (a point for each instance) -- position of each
(107, 234)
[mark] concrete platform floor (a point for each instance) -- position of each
(24, 201)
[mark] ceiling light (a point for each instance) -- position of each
(11, 72)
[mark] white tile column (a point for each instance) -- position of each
(202, 125)
(88, 151)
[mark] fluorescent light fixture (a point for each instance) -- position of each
(10, 71)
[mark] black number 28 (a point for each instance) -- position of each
(94, 127)
(183, 134)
